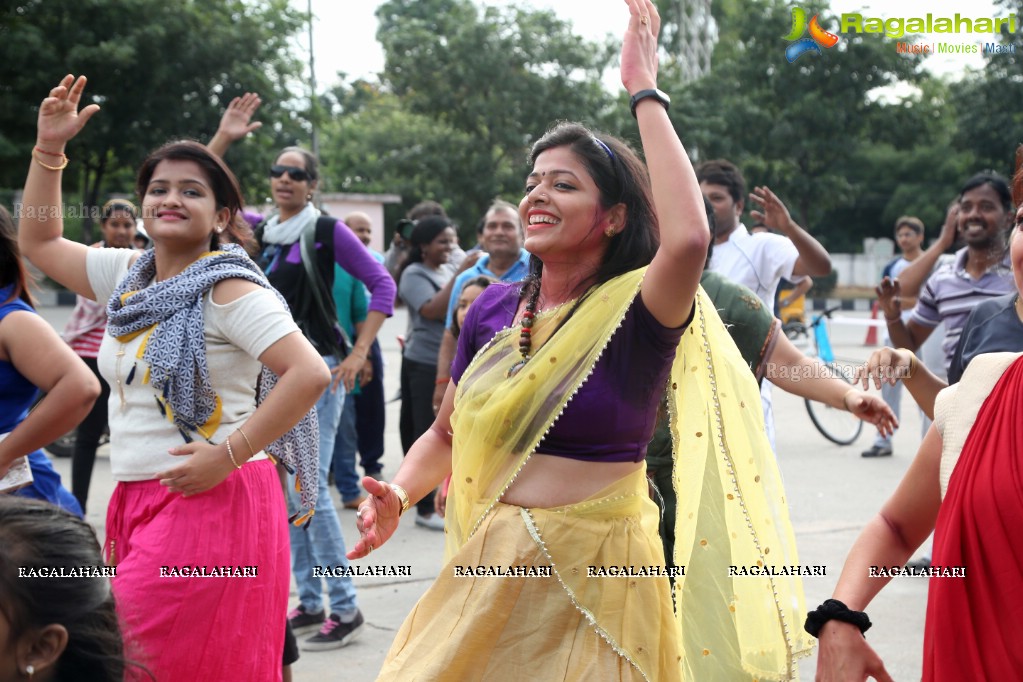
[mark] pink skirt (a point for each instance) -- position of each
(202, 582)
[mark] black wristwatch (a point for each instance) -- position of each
(652, 92)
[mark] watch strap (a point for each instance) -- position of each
(644, 94)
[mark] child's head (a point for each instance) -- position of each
(64, 627)
(470, 292)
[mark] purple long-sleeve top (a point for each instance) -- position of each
(612, 416)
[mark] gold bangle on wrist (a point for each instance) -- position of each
(402, 497)
(230, 453)
(913, 362)
(35, 155)
(247, 442)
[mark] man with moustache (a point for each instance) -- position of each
(505, 260)
(980, 271)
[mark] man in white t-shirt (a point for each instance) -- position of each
(757, 261)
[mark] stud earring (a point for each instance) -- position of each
(610, 231)
(220, 228)
(30, 670)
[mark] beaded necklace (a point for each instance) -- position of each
(525, 335)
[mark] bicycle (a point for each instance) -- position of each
(838, 426)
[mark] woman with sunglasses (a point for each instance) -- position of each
(288, 239)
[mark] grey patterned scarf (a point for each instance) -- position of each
(176, 350)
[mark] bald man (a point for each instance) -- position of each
(361, 225)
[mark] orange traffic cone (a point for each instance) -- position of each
(871, 339)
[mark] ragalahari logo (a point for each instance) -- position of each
(818, 36)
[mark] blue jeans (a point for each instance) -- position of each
(321, 543)
(345, 445)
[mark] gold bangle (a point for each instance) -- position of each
(402, 497)
(47, 166)
(230, 453)
(913, 362)
(247, 441)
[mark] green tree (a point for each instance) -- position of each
(987, 103)
(497, 76)
(160, 70)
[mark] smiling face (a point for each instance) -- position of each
(501, 233)
(119, 230)
(438, 251)
(561, 211)
(982, 217)
(179, 207)
(291, 194)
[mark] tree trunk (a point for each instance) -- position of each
(90, 199)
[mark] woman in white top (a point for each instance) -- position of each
(206, 370)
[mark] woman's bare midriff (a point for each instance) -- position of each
(548, 481)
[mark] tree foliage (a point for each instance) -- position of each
(160, 70)
(477, 85)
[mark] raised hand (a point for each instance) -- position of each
(774, 213)
(639, 47)
(237, 122)
(950, 228)
(59, 118)
(889, 298)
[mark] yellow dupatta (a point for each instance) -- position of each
(731, 508)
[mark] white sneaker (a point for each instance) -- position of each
(433, 521)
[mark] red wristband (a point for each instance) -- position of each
(445, 380)
(44, 151)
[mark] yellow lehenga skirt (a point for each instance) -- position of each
(573, 625)
(490, 627)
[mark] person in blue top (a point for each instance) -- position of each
(33, 357)
(505, 261)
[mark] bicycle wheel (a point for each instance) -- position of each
(63, 446)
(838, 426)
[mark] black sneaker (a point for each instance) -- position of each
(302, 621)
(921, 564)
(878, 451)
(334, 634)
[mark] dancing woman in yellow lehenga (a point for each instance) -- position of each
(556, 385)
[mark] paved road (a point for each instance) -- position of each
(832, 492)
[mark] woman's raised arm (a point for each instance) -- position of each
(670, 284)
(41, 225)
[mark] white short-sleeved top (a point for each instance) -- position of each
(956, 407)
(236, 335)
(757, 261)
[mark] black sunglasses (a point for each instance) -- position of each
(295, 173)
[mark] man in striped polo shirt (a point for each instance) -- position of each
(980, 271)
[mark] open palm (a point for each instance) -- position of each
(59, 117)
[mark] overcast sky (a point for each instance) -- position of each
(344, 34)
